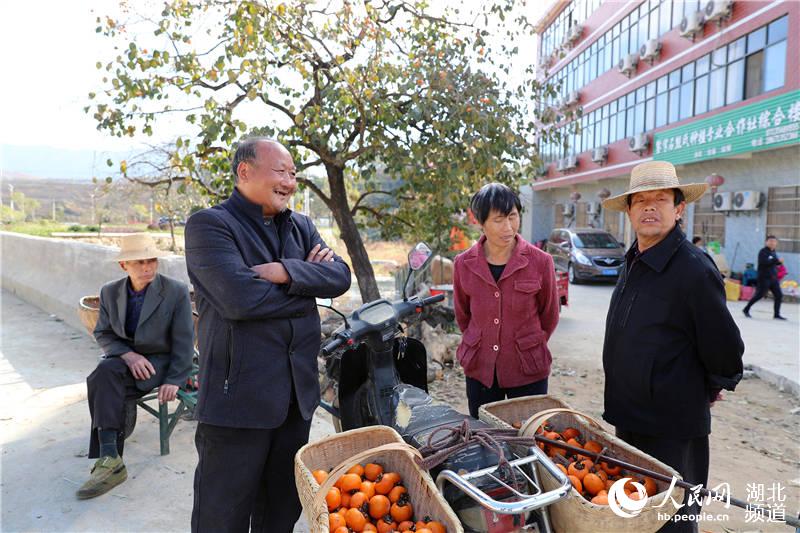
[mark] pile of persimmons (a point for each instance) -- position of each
(592, 481)
(368, 499)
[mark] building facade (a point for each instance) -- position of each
(711, 86)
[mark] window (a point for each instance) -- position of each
(702, 64)
(778, 30)
(753, 78)
(783, 217)
(687, 100)
(674, 106)
(701, 95)
(716, 92)
(708, 223)
(650, 114)
(661, 110)
(775, 66)
(756, 40)
(735, 85)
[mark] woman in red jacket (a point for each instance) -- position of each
(506, 304)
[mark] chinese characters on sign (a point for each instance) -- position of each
(766, 124)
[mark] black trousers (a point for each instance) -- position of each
(478, 394)
(765, 285)
(109, 387)
(689, 457)
(245, 477)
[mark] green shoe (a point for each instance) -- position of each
(107, 473)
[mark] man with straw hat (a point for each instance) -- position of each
(145, 329)
(671, 344)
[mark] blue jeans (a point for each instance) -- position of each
(478, 394)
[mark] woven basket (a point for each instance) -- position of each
(381, 444)
(88, 312)
(575, 514)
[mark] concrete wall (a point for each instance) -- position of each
(54, 274)
(744, 231)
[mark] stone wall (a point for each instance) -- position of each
(54, 274)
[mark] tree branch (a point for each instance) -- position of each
(380, 216)
(313, 186)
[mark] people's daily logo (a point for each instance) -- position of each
(623, 505)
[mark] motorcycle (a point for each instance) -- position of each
(372, 373)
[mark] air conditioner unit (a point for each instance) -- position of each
(721, 201)
(638, 143)
(650, 50)
(600, 154)
(571, 99)
(568, 163)
(593, 208)
(573, 35)
(568, 210)
(746, 200)
(627, 65)
(718, 10)
(692, 24)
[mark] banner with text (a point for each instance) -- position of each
(770, 123)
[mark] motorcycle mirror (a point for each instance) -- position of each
(328, 304)
(419, 256)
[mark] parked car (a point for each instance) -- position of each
(586, 253)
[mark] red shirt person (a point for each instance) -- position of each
(506, 304)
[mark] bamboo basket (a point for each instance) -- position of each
(380, 444)
(576, 514)
(88, 312)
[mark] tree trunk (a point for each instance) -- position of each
(350, 235)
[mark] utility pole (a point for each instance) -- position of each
(54, 210)
(93, 209)
(11, 192)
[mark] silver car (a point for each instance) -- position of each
(586, 253)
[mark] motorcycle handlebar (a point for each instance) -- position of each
(401, 308)
(331, 346)
(432, 299)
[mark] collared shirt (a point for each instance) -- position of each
(670, 341)
(133, 308)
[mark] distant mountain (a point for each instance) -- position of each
(57, 163)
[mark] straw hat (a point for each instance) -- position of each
(138, 246)
(654, 176)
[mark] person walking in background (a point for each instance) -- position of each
(768, 262)
(506, 304)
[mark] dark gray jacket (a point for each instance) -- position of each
(257, 340)
(164, 335)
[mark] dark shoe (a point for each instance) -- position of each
(746, 313)
(779, 317)
(107, 473)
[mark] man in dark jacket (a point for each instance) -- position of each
(256, 268)
(146, 332)
(671, 344)
(768, 262)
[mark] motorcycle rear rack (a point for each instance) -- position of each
(527, 502)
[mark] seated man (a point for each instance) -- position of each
(146, 332)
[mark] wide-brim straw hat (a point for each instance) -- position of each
(138, 246)
(654, 176)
